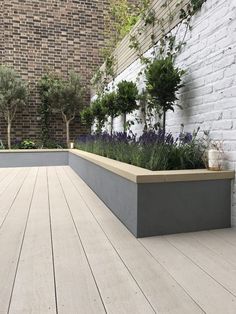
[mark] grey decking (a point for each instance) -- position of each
(63, 251)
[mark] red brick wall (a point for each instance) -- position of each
(41, 35)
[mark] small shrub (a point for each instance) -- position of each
(28, 144)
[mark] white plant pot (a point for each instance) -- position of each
(72, 145)
(215, 161)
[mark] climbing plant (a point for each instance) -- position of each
(45, 83)
(167, 41)
(119, 20)
(166, 47)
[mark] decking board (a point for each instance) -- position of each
(63, 251)
(34, 290)
(118, 288)
(11, 238)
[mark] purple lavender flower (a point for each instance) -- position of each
(185, 138)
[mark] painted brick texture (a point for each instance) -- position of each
(37, 36)
(209, 95)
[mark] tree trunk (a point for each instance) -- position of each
(9, 133)
(124, 125)
(68, 133)
(164, 126)
(112, 120)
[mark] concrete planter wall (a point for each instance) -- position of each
(33, 158)
(147, 202)
(158, 202)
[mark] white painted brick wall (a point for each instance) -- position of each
(209, 95)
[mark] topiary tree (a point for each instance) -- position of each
(163, 83)
(126, 99)
(66, 97)
(13, 93)
(99, 113)
(109, 103)
(87, 117)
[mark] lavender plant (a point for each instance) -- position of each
(149, 150)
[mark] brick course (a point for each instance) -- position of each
(56, 35)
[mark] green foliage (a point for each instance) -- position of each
(197, 5)
(123, 15)
(163, 83)
(13, 94)
(126, 99)
(127, 95)
(13, 91)
(192, 8)
(99, 113)
(167, 43)
(87, 117)
(1, 145)
(109, 103)
(175, 155)
(120, 19)
(28, 144)
(45, 85)
(66, 97)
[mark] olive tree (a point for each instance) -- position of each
(66, 97)
(13, 94)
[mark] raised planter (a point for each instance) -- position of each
(147, 202)
(33, 157)
(158, 202)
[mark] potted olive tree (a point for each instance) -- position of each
(163, 83)
(126, 99)
(13, 94)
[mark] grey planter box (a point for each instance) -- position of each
(148, 203)
(33, 158)
(157, 203)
